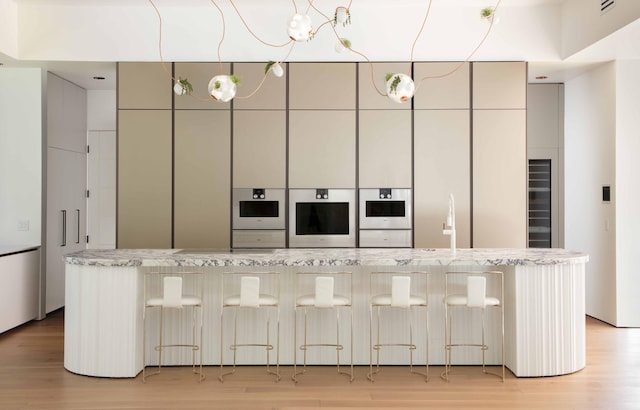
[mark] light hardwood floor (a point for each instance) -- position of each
(32, 376)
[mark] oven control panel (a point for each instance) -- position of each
(322, 194)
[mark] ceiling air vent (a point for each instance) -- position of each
(606, 5)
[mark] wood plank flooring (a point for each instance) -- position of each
(32, 376)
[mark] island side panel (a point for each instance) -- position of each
(103, 321)
(549, 320)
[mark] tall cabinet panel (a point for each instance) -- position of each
(499, 179)
(442, 152)
(322, 125)
(144, 179)
(499, 85)
(266, 92)
(144, 86)
(202, 167)
(384, 148)
(66, 181)
(322, 86)
(499, 155)
(259, 149)
(322, 149)
(259, 129)
(441, 166)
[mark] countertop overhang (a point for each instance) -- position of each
(325, 257)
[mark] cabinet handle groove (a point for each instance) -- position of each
(77, 226)
(64, 227)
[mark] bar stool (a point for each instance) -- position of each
(173, 298)
(241, 291)
(321, 298)
(398, 294)
(474, 298)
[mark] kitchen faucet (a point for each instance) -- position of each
(449, 227)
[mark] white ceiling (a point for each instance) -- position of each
(80, 39)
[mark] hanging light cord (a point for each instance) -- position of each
(251, 31)
(459, 65)
(413, 47)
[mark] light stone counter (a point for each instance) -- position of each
(544, 305)
(324, 257)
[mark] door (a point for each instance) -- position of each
(101, 188)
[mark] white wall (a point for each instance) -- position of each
(20, 155)
(101, 110)
(9, 28)
(582, 24)
(590, 130)
(627, 193)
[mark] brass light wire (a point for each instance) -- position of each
(224, 29)
(328, 20)
(413, 47)
(251, 31)
(457, 67)
(164, 67)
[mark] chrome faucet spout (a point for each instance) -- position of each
(449, 227)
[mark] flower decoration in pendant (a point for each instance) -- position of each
(400, 87)
(222, 88)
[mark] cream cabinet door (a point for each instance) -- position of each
(499, 179)
(66, 115)
(66, 229)
(322, 149)
(144, 85)
(499, 85)
(144, 179)
(317, 86)
(442, 149)
(202, 179)
(384, 149)
(441, 86)
(259, 149)
(259, 91)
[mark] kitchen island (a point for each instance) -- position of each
(544, 304)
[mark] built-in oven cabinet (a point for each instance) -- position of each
(258, 238)
(386, 218)
(385, 208)
(258, 208)
(322, 218)
(385, 238)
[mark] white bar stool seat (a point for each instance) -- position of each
(173, 298)
(475, 297)
(244, 289)
(402, 296)
(323, 298)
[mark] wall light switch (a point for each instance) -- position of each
(23, 225)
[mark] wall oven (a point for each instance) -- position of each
(258, 218)
(322, 218)
(385, 217)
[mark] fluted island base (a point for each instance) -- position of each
(544, 306)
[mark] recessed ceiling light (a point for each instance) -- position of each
(98, 77)
(541, 77)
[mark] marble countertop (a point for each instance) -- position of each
(323, 257)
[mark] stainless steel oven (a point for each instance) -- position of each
(258, 218)
(385, 217)
(322, 218)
